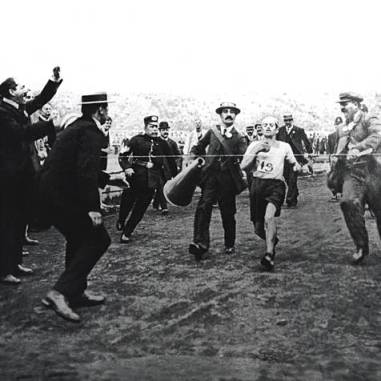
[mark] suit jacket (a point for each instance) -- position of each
(332, 142)
(17, 134)
(137, 151)
(168, 172)
(214, 160)
(366, 134)
(298, 141)
(71, 175)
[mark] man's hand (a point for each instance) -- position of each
(306, 156)
(129, 172)
(353, 154)
(56, 74)
(262, 146)
(96, 218)
(55, 120)
(118, 180)
(297, 167)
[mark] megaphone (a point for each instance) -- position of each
(179, 191)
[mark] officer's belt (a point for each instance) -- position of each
(141, 163)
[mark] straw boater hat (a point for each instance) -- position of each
(228, 105)
(94, 99)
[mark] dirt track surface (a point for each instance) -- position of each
(316, 317)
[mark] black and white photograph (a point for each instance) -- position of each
(190, 190)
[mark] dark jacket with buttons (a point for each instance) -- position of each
(140, 150)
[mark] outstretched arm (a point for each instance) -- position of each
(46, 94)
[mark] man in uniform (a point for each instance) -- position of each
(221, 180)
(297, 139)
(142, 162)
(361, 178)
(159, 200)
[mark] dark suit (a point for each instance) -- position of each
(69, 185)
(17, 173)
(139, 150)
(159, 199)
(300, 144)
(332, 142)
(218, 183)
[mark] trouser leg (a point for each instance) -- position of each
(85, 246)
(352, 206)
(162, 200)
(291, 178)
(142, 201)
(12, 222)
(126, 203)
(226, 202)
(204, 212)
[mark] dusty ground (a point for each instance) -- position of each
(167, 318)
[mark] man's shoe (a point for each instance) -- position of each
(229, 250)
(197, 251)
(56, 301)
(30, 241)
(359, 256)
(119, 225)
(267, 261)
(10, 279)
(22, 270)
(87, 300)
(124, 239)
(291, 206)
(164, 212)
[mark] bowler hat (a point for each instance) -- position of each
(349, 96)
(230, 105)
(151, 119)
(163, 126)
(94, 99)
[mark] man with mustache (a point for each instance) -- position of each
(361, 171)
(221, 180)
(16, 168)
(142, 161)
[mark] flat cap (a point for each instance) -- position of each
(151, 119)
(349, 96)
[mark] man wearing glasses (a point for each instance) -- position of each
(265, 160)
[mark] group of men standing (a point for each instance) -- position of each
(73, 173)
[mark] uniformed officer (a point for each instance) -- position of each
(142, 162)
